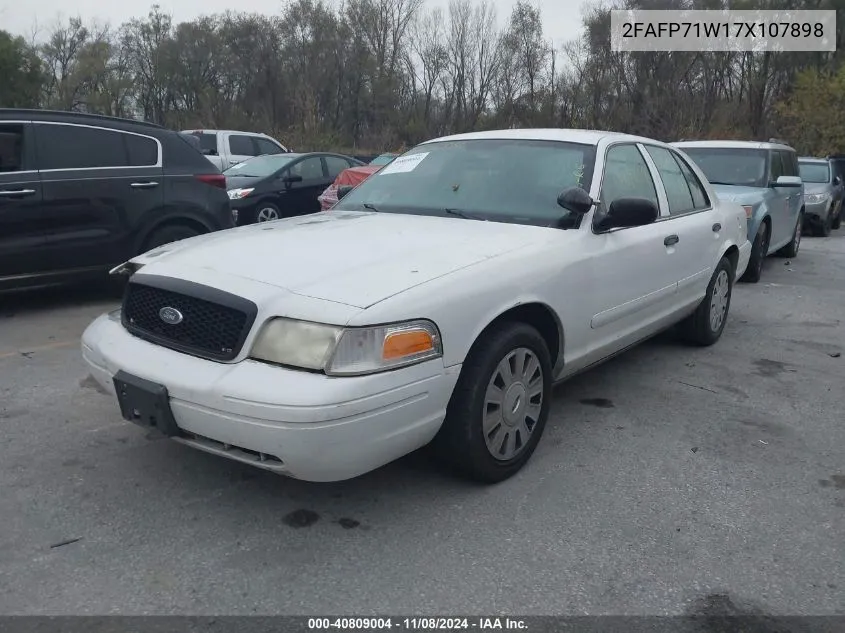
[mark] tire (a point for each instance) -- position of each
(266, 212)
(705, 326)
(167, 234)
(461, 440)
(759, 249)
(823, 228)
(838, 221)
(791, 249)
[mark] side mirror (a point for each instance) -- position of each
(625, 212)
(837, 181)
(788, 181)
(289, 180)
(209, 152)
(576, 200)
(343, 190)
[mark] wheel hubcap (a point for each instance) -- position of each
(267, 214)
(512, 403)
(719, 300)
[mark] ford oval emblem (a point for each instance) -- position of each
(171, 316)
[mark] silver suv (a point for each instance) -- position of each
(822, 195)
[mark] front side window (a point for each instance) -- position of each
(309, 168)
(776, 169)
(11, 147)
(267, 147)
(516, 181)
(743, 167)
(78, 147)
(814, 172)
(626, 175)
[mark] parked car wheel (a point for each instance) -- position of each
(267, 212)
(759, 250)
(837, 221)
(824, 227)
(791, 249)
(167, 234)
(705, 326)
(499, 408)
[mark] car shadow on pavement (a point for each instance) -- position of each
(26, 302)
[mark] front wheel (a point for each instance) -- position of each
(705, 326)
(499, 408)
(791, 249)
(167, 234)
(837, 221)
(824, 227)
(759, 250)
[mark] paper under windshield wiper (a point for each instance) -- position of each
(464, 215)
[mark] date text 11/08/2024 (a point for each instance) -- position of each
(418, 624)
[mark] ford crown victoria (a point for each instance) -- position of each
(436, 304)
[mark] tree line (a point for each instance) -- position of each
(380, 74)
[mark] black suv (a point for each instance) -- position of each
(81, 193)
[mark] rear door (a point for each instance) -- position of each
(303, 195)
(98, 183)
(22, 224)
(779, 203)
(692, 225)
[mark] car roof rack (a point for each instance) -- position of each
(779, 141)
(80, 115)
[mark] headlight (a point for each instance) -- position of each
(340, 351)
(815, 198)
(237, 194)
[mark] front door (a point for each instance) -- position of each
(303, 195)
(629, 280)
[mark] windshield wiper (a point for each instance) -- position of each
(719, 182)
(370, 206)
(464, 215)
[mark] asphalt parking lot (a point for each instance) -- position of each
(670, 480)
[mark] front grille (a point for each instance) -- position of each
(214, 324)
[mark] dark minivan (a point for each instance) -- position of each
(82, 193)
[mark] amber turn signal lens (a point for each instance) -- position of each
(406, 343)
(749, 211)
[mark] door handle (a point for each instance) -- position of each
(17, 193)
(143, 185)
(717, 227)
(671, 240)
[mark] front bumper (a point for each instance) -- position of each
(314, 427)
(818, 211)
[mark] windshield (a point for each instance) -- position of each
(814, 172)
(514, 181)
(383, 159)
(260, 166)
(730, 166)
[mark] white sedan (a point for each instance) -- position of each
(437, 303)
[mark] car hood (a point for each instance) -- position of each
(739, 194)
(353, 258)
(817, 187)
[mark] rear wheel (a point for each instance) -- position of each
(759, 250)
(791, 249)
(705, 325)
(267, 212)
(167, 234)
(824, 227)
(499, 408)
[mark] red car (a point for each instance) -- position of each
(353, 176)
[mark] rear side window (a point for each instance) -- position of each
(336, 165)
(242, 145)
(677, 190)
(77, 147)
(11, 147)
(142, 150)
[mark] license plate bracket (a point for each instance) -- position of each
(145, 403)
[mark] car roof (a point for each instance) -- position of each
(211, 131)
(813, 159)
(586, 137)
(726, 144)
(62, 116)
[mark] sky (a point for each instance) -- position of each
(561, 18)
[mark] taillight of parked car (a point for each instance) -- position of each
(215, 180)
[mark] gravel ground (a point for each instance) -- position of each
(670, 480)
